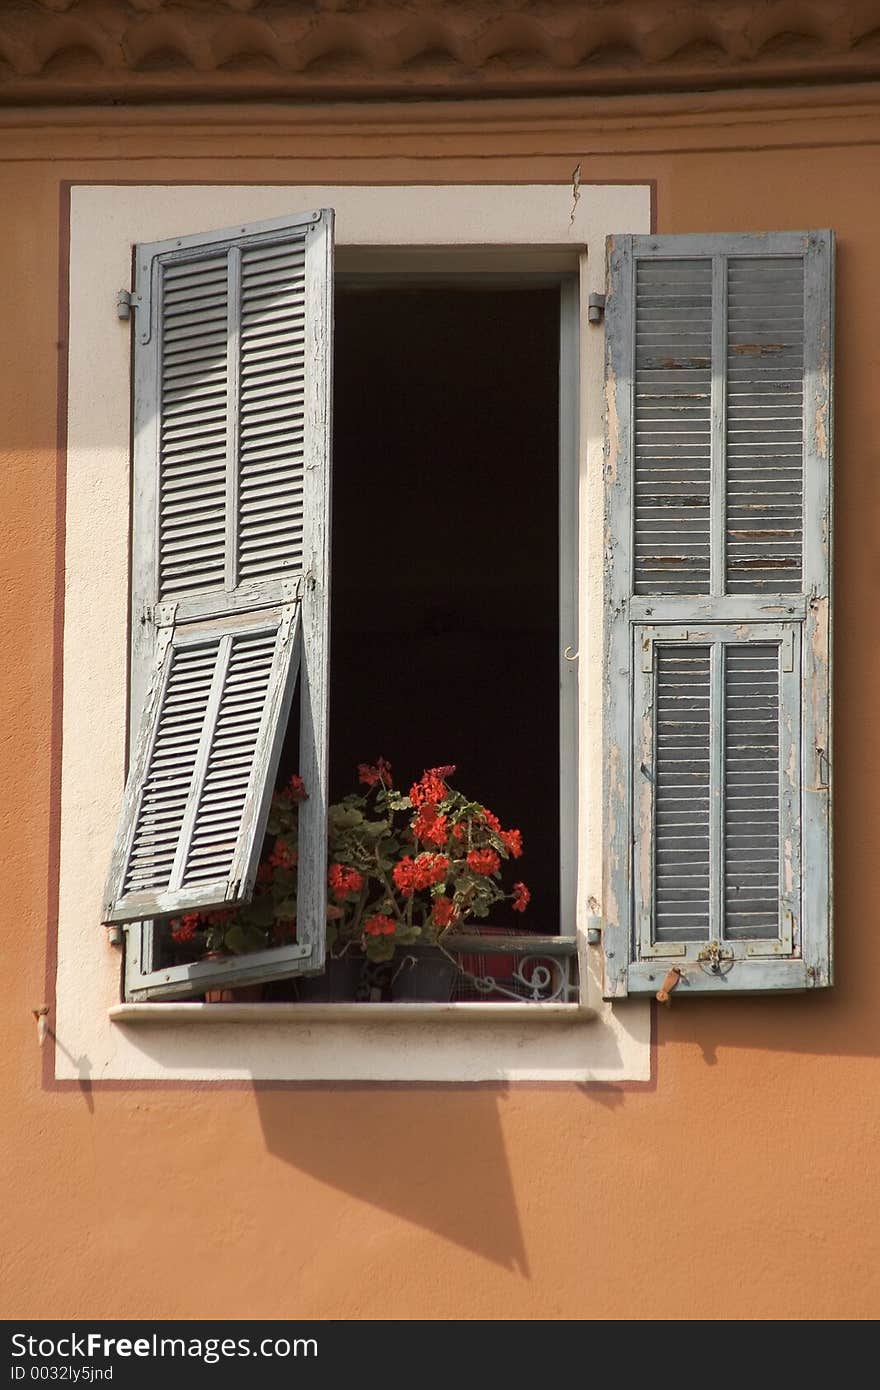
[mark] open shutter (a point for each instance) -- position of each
(717, 709)
(230, 577)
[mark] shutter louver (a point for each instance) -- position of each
(270, 535)
(673, 426)
(230, 576)
(717, 618)
(207, 746)
(765, 438)
(681, 813)
(751, 792)
(194, 381)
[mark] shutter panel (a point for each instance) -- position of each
(230, 575)
(203, 769)
(230, 410)
(717, 615)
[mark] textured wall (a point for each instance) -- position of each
(742, 1180)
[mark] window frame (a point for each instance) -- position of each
(447, 217)
(143, 979)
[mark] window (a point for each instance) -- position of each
(229, 604)
(380, 230)
(717, 495)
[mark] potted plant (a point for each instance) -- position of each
(404, 869)
(407, 868)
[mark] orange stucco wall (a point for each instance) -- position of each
(742, 1180)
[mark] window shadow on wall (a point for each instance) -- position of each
(432, 1155)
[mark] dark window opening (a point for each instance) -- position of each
(445, 553)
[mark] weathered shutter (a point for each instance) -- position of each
(230, 569)
(718, 487)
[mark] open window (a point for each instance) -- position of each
(447, 536)
(454, 565)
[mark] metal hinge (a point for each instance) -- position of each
(126, 300)
(162, 614)
(595, 308)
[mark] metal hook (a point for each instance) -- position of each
(569, 655)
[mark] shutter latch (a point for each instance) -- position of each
(718, 958)
(595, 308)
(126, 300)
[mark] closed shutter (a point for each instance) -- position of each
(230, 574)
(717, 711)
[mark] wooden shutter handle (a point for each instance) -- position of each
(671, 981)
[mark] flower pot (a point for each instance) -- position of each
(423, 975)
(339, 982)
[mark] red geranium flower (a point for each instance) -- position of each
(403, 874)
(371, 774)
(283, 856)
(379, 925)
(431, 786)
(344, 881)
(430, 825)
(492, 820)
(513, 840)
(521, 897)
(430, 869)
(443, 912)
(297, 789)
(483, 861)
(184, 928)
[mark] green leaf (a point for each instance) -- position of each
(241, 939)
(285, 911)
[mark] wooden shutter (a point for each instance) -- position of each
(717, 760)
(230, 569)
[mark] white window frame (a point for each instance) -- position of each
(536, 227)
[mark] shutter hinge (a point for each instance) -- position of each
(292, 589)
(126, 300)
(161, 614)
(595, 308)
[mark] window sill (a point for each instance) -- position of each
(349, 1013)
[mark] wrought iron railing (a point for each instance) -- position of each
(514, 967)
